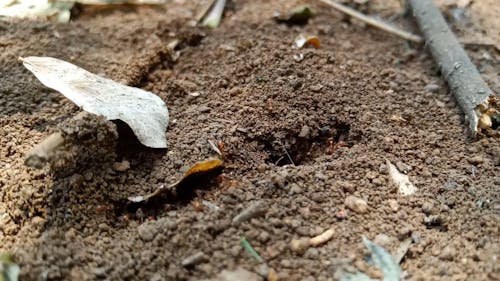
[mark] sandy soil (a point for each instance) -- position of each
(363, 89)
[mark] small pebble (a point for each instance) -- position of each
(448, 253)
(278, 180)
(316, 88)
(295, 189)
(393, 204)
(347, 186)
(147, 231)
(356, 204)
(427, 208)
(255, 209)
(121, 166)
(235, 91)
(299, 245)
(193, 259)
(402, 167)
(431, 88)
(476, 160)
(341, 214)
(304, 132)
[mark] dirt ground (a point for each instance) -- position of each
(242, 87)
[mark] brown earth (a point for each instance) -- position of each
(266, 110)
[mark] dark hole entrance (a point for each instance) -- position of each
(296, 150)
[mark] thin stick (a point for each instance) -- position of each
(373, 22)
(475, 98)
(288, 155)
(42, 152)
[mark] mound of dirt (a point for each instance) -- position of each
(300, 131)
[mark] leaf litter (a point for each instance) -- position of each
(144, 112)
(9, 270)
(57, 10)
(204, 168)
(380, 258)
(401, 180)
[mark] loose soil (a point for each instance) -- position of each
(297, 135)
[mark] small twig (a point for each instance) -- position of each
(255, 209)
(42, 152)
(214, 147)
(373, 22)
(476, 99)
(322, 238)
(288, 155)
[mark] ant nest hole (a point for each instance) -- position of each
(303, 147)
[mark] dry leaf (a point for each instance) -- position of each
(402, 181)
(144, 112)
(57, 10)
(205, 167)
(304, 41)
(397, 118)
(214, 15)
(381, 259)
(37, 9)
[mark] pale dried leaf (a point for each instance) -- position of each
(402, 181)
(144, 112)
(381, 259)
(303, 41)
(37, 9)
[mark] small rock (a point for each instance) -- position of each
(356, 204)
(203, 108)
(147, 231)
(299, 245)
(416, 237)
(341, 214)
(347, 186)
(235, 91)
(255, 209)
(278, 180)
(240, 274)
(431, 88)
(404, 233)
(434, 220)
(427, 208)
(448, 253)
(316, 88)
(285, 263)
(393, 204)
(264, 237)
(263, 270)
(295, 189)
(303, 231)
(402, 167)
(304, 132)
(194, 259)
(371, 175)
(311, 253)
(378, 181)
(99, 271)
(121, 166)
(476, 160)
(272, 275)
(320, 176)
